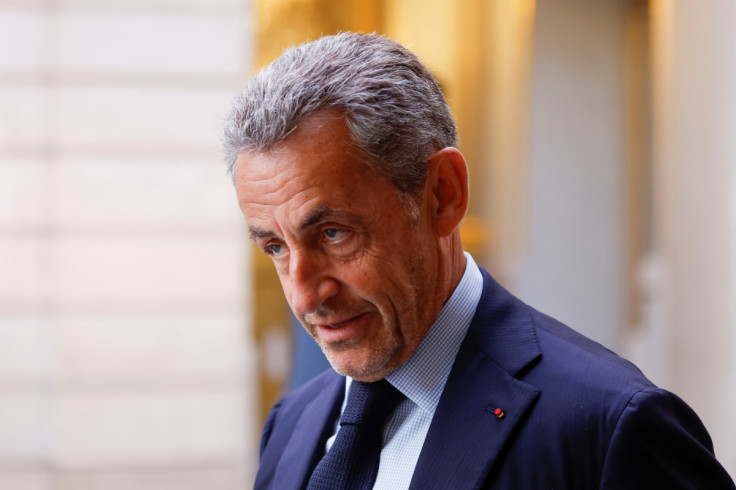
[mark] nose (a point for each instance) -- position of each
(309, 282)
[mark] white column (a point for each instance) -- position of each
(572, 265)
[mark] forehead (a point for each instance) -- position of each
(316, 167)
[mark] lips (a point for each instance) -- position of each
(342, 331)
(341, 323)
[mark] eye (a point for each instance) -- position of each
(334, 234)
(275, 249)
(341, 242)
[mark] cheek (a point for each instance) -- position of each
(384, 285)
(358, 281)
(370, 272)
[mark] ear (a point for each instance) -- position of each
(448, 189)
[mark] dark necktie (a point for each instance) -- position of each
(352, 461)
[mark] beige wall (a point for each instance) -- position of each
(124, 343)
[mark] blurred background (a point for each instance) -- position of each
(141, 338)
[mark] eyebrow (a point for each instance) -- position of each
(322, 213)
(318, 214)
(256, 232)
(314, 217)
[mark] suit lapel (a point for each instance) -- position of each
(306, 445)
(466, 435)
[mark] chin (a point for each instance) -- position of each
(369, 368)
(360, 372)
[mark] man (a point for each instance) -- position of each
(343, 152)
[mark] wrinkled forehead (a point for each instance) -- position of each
(306, 180)
(320, 131)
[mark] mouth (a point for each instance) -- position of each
(342, 331)
(341, 323)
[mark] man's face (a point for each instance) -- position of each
(357, 271)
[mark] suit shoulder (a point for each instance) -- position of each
(306, 393)
(659, 442)
(306, 412)
(585, 361)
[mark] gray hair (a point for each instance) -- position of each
(394, 109)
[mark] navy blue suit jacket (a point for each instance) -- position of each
(576, 417)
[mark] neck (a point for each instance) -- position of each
(452, 265)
